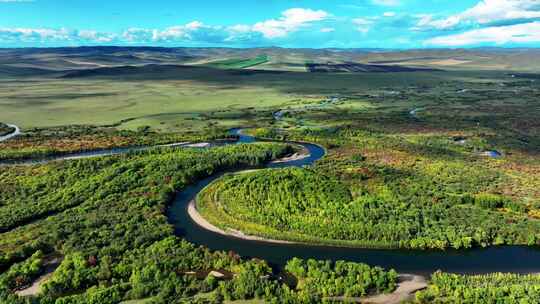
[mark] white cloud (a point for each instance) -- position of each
(34, 34)
(386, 2)
(363, 25)
(182, 32)
(518, 33)
(427, 22)
(96, 36)
(486, 12)
(171, 33)
(291, 20)
(194, 25)
(240, 28)
(193, 32)
(137, 34)
(389, 14)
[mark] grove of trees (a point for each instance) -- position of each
(479, 289)
(313, 205)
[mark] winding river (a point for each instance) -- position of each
(16, 132)
(518, 259)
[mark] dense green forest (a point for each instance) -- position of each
(390, 179)
(312, 205)
(340, 279)
(105, 218)
(490, 288)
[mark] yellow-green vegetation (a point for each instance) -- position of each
(184, 99)
(416, 180)
(105, 216)
(408, 166)
(490, 288)
(340, 279)
(239, 63)
(314, 206)
(165, 105)
(39, 143)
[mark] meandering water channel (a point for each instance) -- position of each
(519, 259)
(15, 132)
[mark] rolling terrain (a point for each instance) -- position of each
(427, 153)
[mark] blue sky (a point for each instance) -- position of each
(284, 23)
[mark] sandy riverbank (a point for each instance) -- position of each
(294, 157)
(201, 221)
(408, 285)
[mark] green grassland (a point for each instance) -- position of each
(192, 98)
(239, 63)
(164, 105)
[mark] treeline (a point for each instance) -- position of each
(174, 271)
(56, 141)
(146, 179)
(103, 214)
(417, 190)
(479, 289)
(341, 278)
(312, 205)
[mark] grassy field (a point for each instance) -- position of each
(192, 99)
(166, 106)
(239, 63)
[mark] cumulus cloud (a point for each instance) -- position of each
(194, 32)
(500, 35)
(363, 25)
(95, 36)
(291, 20)
(138, 35)
(489, 11)
(34, 34)
(389, 14)
(486, 13)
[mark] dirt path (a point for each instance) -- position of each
(408, 285)
(35, 288)
(13, 134)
